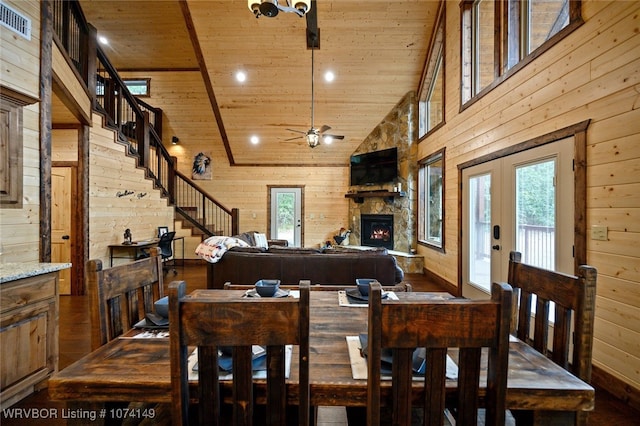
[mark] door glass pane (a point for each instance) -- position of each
(480, 231)
(535, 213)
(285, 218)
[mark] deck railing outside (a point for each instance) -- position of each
(536, 243)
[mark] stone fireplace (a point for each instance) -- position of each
(396, 200)
(376, 230)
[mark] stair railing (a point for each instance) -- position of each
(201, 210)
(139, 125)
(71, 32)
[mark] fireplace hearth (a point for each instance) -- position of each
(377, 230)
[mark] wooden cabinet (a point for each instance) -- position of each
(28, 335)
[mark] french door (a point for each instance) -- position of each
(285, 214)
(523, 202)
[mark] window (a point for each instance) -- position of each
(483, 44)
(532, 23)
(138, 87)
(431, 201)
(478, 46)
(503, 35)
(431, 104)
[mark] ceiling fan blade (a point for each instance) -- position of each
(290, 139)
(334, 136)
(324, 128)
(297, 131)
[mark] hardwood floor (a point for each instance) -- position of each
(75, 343)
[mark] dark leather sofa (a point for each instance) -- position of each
(246, 265)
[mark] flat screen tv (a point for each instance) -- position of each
(373, 168)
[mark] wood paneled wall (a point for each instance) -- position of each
(64, 144)
(111, 175)
(593, 74)
(188, 115)
(19, 228)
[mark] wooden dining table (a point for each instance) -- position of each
(138, 369)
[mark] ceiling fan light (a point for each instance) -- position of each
(313, 139)
(254, 7)
(269, 8)
(302, 6)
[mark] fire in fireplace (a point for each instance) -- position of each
(377, 230)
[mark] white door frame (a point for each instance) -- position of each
(298, 220)
(579, 133)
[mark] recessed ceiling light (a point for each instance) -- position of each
(103, 40)
(329, 76)
(255, 140)
(327, 139)
(241, 76)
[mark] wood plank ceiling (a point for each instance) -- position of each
(377, 50)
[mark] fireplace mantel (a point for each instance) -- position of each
(359, 196)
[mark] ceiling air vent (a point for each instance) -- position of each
(15, 21)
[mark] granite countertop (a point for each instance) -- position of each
(16, 271)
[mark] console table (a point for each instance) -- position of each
(137, 246)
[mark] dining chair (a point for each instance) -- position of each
(439, 326)
(210, 323)
(120, 296)
(571, 324)
(402, 287)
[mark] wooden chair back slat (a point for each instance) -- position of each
(209, 323)
(437, 326)
(120, 296)
(468, 373)
(573, 321)
(435, 379)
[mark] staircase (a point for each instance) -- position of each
(139, 127)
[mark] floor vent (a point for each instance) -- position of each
(15, 21)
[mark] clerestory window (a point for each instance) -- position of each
(431, 103)
(501, 36)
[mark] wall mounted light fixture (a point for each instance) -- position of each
(175, 140)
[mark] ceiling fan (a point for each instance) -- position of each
(313, 135)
